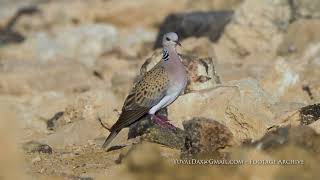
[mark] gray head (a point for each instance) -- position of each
(170, 40)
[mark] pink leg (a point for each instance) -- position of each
(164, 118)
(162, 121)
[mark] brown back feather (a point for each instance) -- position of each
(129, 117)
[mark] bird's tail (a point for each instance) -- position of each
(111, 136)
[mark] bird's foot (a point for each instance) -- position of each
(164, 118)
(162, 121)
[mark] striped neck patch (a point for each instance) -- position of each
(165, 56)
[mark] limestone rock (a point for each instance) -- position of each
(257, 27)
(294, 78)
(299, 36)
(282, 78)
(306, 9)
(23, 77)
(95, 39)
(297, 115)
(231, 106)
(63, 44)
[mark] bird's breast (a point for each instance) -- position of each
(178, 80)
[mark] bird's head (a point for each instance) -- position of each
(170, 40)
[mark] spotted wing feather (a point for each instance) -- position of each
(145, 94)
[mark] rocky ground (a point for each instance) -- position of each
(253, 91)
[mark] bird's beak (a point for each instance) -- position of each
(178, 43)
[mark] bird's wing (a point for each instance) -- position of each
(147, 92)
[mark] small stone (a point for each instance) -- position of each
(32, 147)
(205, 136)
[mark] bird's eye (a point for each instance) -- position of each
(167, 39)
